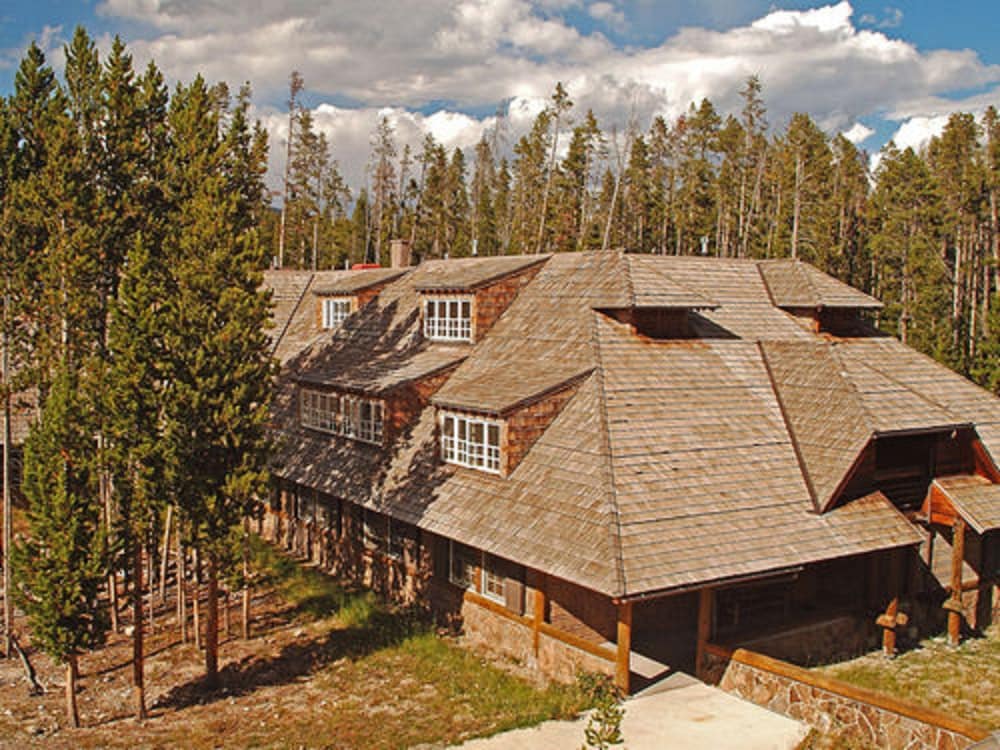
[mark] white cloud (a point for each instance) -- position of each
(608, 14)
(858, 133)
(447, 57)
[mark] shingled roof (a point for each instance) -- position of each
(794, 284)
(676, 462)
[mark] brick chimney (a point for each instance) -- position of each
(399, 254)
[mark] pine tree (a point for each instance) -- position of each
(219, 369)
(132, 396)
(60, 566)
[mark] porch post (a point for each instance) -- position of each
(623, 662)
(539, 615)
(706, 599)
(954, 604)
(890, 619)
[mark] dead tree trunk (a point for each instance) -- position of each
(181, 585)
(35, 687)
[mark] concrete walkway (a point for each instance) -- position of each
(679, 714)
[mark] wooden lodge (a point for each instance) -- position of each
(618, 462)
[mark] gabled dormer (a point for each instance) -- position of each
(460, 300)
(492, 432)
(342, 293)
(820, 303)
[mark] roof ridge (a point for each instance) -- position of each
(803, 470)
(629, 284)
(807, 277)
(908, 389)
(615, 523)
(295, 309)
(852, 386)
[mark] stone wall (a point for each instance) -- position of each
(512, 636)
(833, 706)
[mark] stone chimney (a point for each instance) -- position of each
(399, 254)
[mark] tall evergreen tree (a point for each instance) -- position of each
(216, 346)
(60, 565)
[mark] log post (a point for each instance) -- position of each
(623, 659)
(954, 604)
(539, 616)
(890, 620)
(706, 600)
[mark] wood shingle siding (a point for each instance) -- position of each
(645, 465)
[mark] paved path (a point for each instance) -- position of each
(682, 714)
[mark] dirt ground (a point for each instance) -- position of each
(308, 677)
(173, 683)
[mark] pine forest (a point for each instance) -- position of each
(919, 231)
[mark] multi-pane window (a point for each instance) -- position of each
(335, 310)
(462, 567)
(351, 416)
(493, 580)
(448, 318)
(470, 441)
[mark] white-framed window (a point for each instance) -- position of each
(448, 318)
(335, 311)
(470, 441)
(462, 562)
(351, 416)
(493, 580)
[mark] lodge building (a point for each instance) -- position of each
(619, 462)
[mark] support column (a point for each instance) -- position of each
(892, 617)
(623, 661)
(954, 604)
(706, 600)
(539, 615)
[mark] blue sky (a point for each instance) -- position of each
(874, 70)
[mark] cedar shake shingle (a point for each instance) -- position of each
(677, 462)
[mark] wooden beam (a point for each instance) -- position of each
(539, 615)
(955, 603)
(623, 661)
(706, 598)
(889, 621)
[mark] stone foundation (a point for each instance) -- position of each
(833, 706)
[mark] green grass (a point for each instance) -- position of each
(391, 681)
(963, 681)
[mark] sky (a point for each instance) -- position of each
(871, 70)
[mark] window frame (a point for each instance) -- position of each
(491, 575)
(458, 446)
(467, 555)
(448, 317)
(341, 414)
(335, 309)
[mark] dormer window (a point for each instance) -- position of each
(448, 318)
(353, 417)
(471, 441)
(335, 311)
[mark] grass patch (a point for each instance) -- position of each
(963, 681)
(314, 594)
(389, 681)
